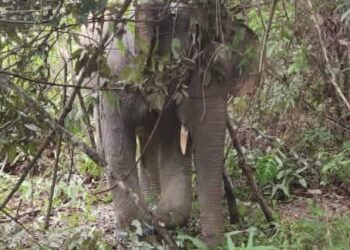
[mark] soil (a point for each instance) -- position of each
(304, 205)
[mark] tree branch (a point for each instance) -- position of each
(5, 84)
(326, 57)
(266, 37)
(53, 183)
(86, 120)
(248, 172)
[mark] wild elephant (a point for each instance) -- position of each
(214, 56)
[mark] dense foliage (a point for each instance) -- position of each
(294, 130)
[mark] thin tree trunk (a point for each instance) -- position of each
(53, 183)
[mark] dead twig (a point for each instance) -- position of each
(326, 118)
(261, 18)
(53, 183)
(86, 120)
(117, 86)
(19, 216)
(266, 38)
(71, 165)
(22, 226)
(27, 169)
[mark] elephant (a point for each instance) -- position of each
(182, 132)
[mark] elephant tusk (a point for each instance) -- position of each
(183, 139)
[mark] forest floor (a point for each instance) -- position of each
(76, 221)
(303, 205)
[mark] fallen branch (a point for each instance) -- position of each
(22, 226)
(248, 172)
(19, 216)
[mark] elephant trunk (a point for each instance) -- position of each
(209, 157)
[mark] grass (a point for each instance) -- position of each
(314, 229)
(76, 225)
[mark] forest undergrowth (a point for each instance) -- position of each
(294, 132)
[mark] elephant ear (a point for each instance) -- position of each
(236, 60)
(245, 57)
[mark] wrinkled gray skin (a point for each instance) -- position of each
(165, 171)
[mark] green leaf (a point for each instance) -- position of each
(11, 152)
(77, 53)
(137, 225)
(251, 237)
(3, 140)
(104, 69)
(345, 16)
(200, 245)
(32, 127)
(267, 169)
(302, 182)
(126, 74)
(113, 99)
(176, 47)
(120, 46)
(229, 242)
(282, 188)
(238, 38)
(142, 44)
(160, 66)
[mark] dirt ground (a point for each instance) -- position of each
(304, 204)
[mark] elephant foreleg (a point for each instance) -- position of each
(119, 146)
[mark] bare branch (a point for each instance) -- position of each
(86, 120)
(21, 225)
(53, 183)
(326, 57)
(266, 37)
(248, 172)
(27, 169)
